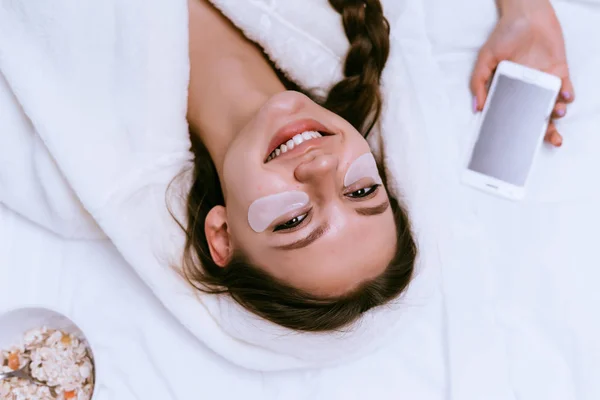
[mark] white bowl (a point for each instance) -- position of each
(14, 324)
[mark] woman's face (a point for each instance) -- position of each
(313, 212)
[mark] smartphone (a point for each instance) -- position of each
(511, 129)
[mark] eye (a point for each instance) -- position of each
(363, 192)
(291, 224)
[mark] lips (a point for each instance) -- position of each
(293, 143)
(295, 128)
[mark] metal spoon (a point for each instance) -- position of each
(25, 373)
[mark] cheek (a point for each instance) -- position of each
(244, 181)
(246, 186)
(247, 242)
(243, 189)
(238, 232)
(236, 172)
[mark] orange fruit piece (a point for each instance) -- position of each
(13, 361)
(70, 395)
(66, 340)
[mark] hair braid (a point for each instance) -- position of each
(357, 98)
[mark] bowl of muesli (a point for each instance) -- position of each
(54, 348)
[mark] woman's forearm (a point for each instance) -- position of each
(521, 7)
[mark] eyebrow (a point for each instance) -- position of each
(370, 211)
(314, 235)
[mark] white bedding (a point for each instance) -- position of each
(542, 276)
(142, 352)
(545, 248)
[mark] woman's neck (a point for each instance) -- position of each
(227, 101)
(230, 80)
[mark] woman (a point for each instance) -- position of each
(289, 213)
(300, 183)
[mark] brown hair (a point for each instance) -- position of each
(356, 98)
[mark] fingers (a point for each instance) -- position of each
(560, 110)
(552, 136)
(567, 92)
(484, 68)
(567, 95)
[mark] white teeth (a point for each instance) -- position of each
(295, 141)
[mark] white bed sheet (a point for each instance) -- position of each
(544, 249)
(142, 352)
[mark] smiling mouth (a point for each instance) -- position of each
(294, 136)
(294, 142)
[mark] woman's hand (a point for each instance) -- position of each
(527, 33)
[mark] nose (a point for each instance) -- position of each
(317, 169)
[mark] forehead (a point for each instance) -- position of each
(337, 262)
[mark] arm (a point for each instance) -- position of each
(521, 7)
(528, 33)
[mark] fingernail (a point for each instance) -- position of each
(560, 113)
(566, 95)
(475, 104)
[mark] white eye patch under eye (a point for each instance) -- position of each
(264, 211)
(363, 167)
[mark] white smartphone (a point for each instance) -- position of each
(511, 129)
